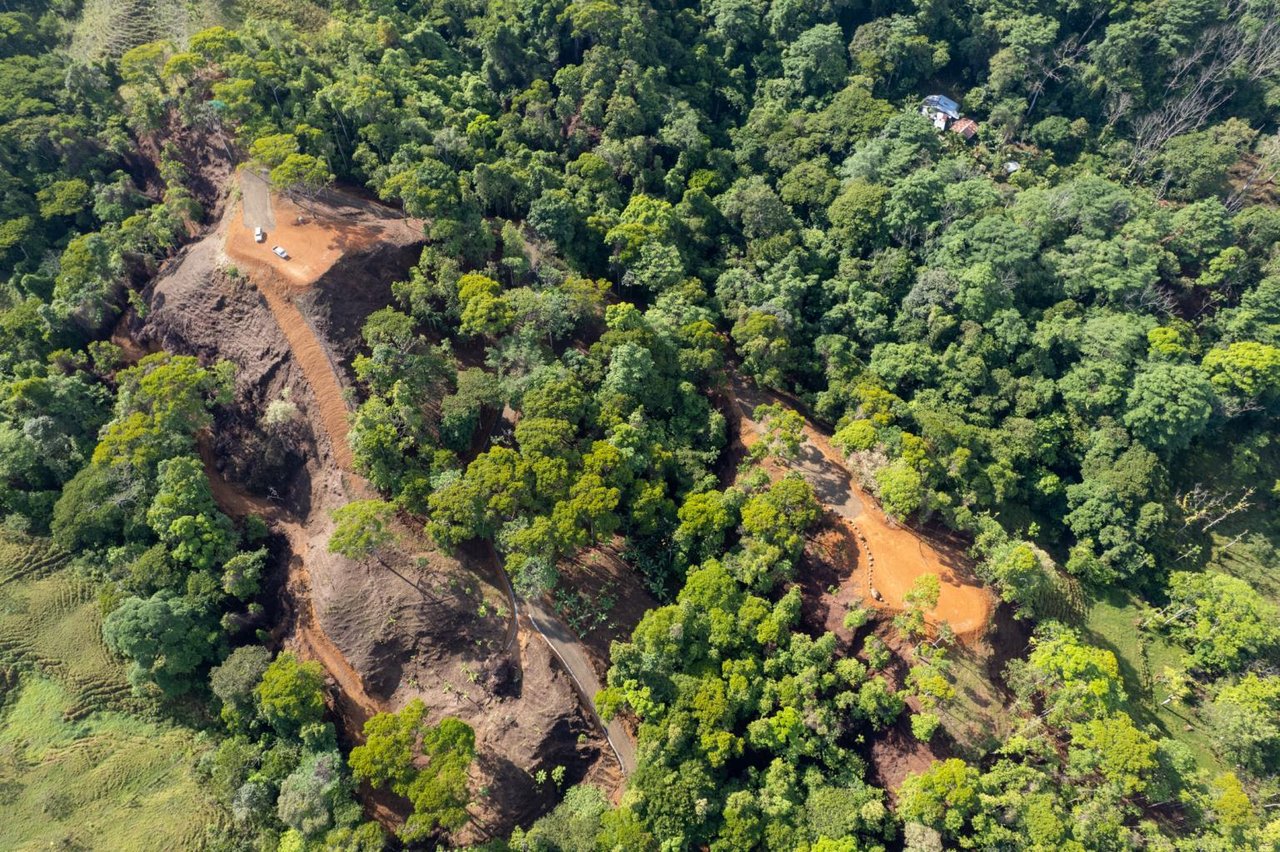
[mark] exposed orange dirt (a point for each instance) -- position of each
(409, 624)
(888, 556)
(314, 247)
(897, 556)
(354, 703)
(314, 242)
(832, 577)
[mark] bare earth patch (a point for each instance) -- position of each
(602, 598)
(889, 557)
(414, 623)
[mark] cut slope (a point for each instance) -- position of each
(422, 624)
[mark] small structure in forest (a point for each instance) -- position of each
(941, 110)
(966, 127)
(945, 113)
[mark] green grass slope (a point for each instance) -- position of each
(76, 770)
(103, 781)
(50, 622)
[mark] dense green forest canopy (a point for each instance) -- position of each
(1060, 339)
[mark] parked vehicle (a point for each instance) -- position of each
(258, 235)
(281, 253)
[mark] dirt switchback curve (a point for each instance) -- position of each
(890, 556)
(355, 704)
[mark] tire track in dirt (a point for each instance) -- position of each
(321, 374)
(317, 367)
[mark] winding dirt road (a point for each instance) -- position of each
(891, 556)
(573, 655)
(263, 270)
(355, 704)
(321, 375)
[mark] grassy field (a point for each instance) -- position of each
(77, 771)
(50, 622)
(976, 718)
(1111, 622)
(102, 781)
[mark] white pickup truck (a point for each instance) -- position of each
(258, 235)
(280, 252)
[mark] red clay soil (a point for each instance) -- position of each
(830, 576)
(314, 242)
(897, 556)
(895, 753)
(131, 352)
(419, 625)
(278, 288)
(888, 556)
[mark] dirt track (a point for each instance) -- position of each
(320, 372)
(316, 246)
(890, 556)
(356, 705)
(382, 640)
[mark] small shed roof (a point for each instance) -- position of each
(966, 127)
(943, 104)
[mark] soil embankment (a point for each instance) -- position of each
(315, 240)
(573, 655)
(353, 703)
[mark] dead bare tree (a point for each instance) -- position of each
(1205, 78)
(1232, 543)
(1202, 507)
(1059, 62)
(1118, 105)
(1233, 406)
(1154, 299)
(1265, 171)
